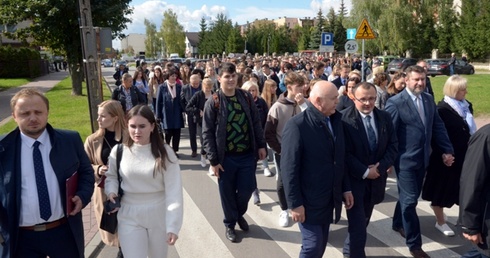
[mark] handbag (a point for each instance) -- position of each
(108, 222)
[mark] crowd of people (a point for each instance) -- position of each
(333, 135)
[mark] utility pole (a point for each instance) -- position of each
(90, 61)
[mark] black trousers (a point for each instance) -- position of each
(174, 136)
(192, 123)
(280, 186)
(57, 242)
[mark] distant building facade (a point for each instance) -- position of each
(191, 43)
(136, 41)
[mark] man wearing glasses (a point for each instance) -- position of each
(371, 147)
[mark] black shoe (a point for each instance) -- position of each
(231, 234)
(419, 253)
(177, 155)
(400, 230)
(242, 223)
(119, 254)
(194, 154)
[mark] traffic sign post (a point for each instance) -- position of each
(327, 42)
(364, 32)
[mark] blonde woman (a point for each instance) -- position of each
(269, 92)
(112, 130)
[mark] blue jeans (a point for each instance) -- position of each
(314, 240)
(474, 253)
(405, 216)
(236, 185)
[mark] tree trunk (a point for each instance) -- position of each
(76, 73)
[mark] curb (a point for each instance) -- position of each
(94, 247)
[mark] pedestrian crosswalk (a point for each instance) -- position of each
(203, 232)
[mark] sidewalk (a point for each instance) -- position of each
(43, 83)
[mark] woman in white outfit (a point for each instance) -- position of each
(151, 208)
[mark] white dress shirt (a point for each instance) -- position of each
(373, 125)
(29, 209)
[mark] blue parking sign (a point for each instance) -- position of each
(327, 39)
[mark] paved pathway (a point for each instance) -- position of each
(43, 83)
(203, 228)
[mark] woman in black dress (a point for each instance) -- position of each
(441, 185)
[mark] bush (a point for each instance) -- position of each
(19, 62)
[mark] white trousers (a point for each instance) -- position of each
(141, 225)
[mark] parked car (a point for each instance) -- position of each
(437, 67)
(107, 63)
(441, 67)
(121, 62)
(463, 67)
(385, 60)
(399, 64)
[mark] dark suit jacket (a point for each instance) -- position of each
(169, 110)
(474, 195)
(358, 152)
(186, 94)
(67, 156)
(312, 165)
(338, 82)
(136, 96)
(118, 76)
(414, 139)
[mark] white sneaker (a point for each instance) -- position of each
(211, 172)
(445, 229)
(284, 219)
(267, 172)
(203, 161)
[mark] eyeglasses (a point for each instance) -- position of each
(366, 101)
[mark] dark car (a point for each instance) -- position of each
(121, 62)
(441, 67)
(399, 64)
(462, 67)
(437, 67)
(107, 63)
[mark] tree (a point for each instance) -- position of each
(446, 27)
(152, 40)
(234, 44)
(55, 25)
(315, 34)
(473, 32)
(202, 46)
(172, 33)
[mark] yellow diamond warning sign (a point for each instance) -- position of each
(364, 31)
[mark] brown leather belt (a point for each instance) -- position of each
(46, 226)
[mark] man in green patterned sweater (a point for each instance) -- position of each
(234, 140)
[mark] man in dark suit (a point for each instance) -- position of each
(344, 76)
(312, 168)
(35, 162)
(473, 194)
(118, 75)
(185, 96)
(371, 148)
(417, 124)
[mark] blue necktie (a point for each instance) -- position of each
(329, 125)
(42, 187)
(370, 134)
